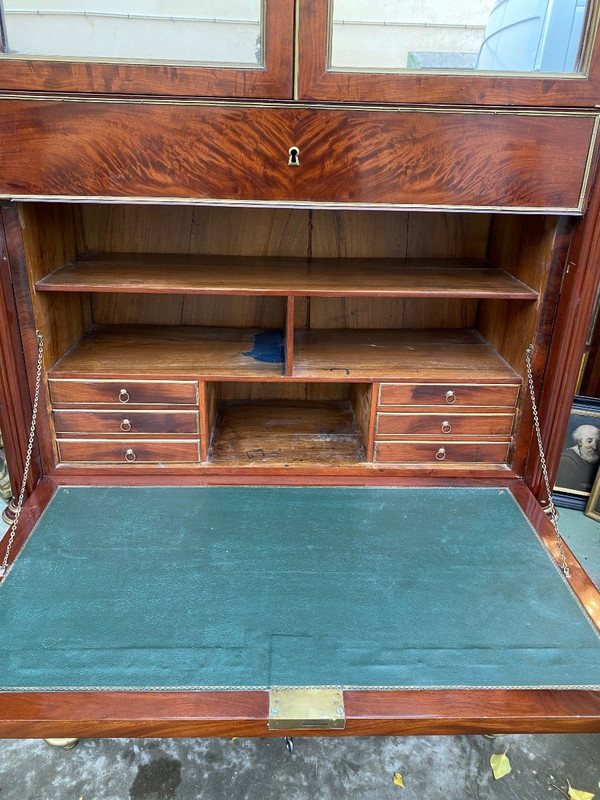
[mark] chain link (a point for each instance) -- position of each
(536, 422)
(36, 397)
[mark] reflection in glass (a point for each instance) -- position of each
(198, 31)
(498, 35)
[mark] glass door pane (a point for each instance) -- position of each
(241, 48)
(493, 35)
(196, 31)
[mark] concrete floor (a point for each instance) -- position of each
(433, 768)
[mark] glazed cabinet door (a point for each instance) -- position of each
(472, 52)
(238, 49)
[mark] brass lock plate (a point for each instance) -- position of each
(306, 709)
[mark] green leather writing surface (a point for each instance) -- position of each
(258, 586)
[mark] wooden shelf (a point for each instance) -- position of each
(412, 355)
(286, 432)
(320, 355)
(176, 351)
(222, 275)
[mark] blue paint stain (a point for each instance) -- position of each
(268, 347)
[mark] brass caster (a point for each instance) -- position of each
(8, 515)
(66, 744)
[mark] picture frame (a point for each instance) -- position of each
(580, 458)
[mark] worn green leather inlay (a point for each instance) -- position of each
(260, 586)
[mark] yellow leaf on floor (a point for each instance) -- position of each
(500, 765)
(398, 780)
(577, 794)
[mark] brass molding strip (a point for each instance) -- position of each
(302, 204)
(316, 106)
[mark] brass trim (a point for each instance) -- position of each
(312, 105)
(588, 164)
(306, 709)
(292, 204)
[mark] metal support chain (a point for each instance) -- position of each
(36, 397)
(536, 422)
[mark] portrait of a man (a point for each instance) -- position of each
(580, 459)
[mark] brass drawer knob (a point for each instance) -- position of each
(130, 455)
(125, 425)
(446, 427)
(450, 397)
(123, 396)
(441, 454)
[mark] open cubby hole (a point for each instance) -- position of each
(288, 423)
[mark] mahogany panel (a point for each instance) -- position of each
(397, 421)
(317, 81)
(447, 451)
(15, 399)
(128, 420)
(115, 149)
(451, 394)
(271, 79)
(368, 713)
(123, 392)
(131, 451)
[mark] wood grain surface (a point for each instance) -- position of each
(222, 275)
(286, 432)
(115, 149)
(131, 421)
(129, 451)
(423, 355)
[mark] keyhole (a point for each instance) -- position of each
(294, 159)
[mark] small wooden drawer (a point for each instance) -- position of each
(447, 425)
(129, 421)
(448, 394)
(128, 451)
(123, 392)
(453, 452)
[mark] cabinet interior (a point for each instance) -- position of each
(288, 319)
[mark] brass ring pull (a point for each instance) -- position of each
(446, 427)
(129, 456)
(441, 454)
(123, 396)
(125, 425)
(450, 397)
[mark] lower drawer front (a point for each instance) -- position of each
(445, 424)
(441, 452)
(126, 421)
(128, 451)
(448, 394)
(123, 392)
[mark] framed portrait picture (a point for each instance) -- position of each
(580, 457)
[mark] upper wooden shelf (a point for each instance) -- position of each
(203, 274)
